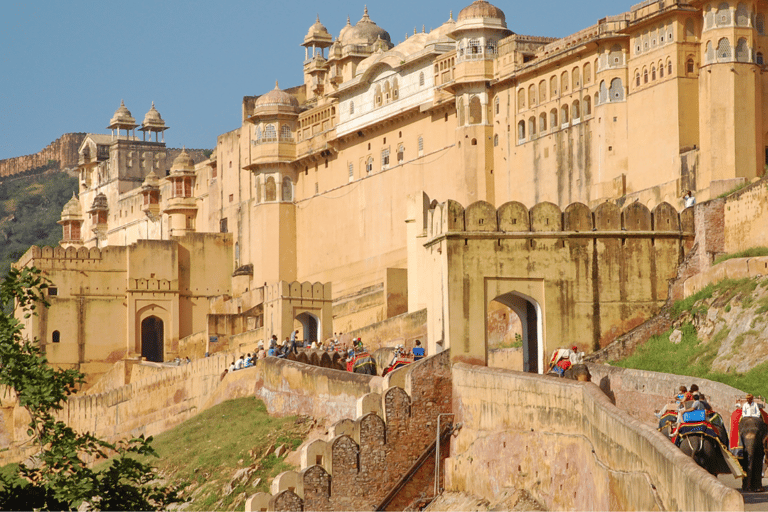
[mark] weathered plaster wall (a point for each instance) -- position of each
(404, 329)
(746, 217)
(569, 447)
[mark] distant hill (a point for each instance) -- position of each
(30, 206)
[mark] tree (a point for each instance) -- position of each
(60, 476)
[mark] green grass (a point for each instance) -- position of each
(733, 190)
(516, 343)
(693, 358)
(752, 252)
(208, 449)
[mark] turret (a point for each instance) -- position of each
(182, 206)
(71, 223)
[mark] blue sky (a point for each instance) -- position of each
(65, 65)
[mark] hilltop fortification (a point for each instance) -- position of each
(63, 150)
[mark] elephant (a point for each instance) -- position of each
(578, 372)
(364, 364)
(667, 424)
(706, 452)
(752, 431)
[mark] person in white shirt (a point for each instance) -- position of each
(689, 199)
(750, 408)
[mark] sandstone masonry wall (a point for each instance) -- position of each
(569, 446)
(63, 150)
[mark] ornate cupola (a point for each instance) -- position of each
(182, 206)
(153, 123)
(122, 120)
(99, 213)
(150, 193)
(71, 223)
(317, 38)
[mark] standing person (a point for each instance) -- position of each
(689, 199)
(418, 351)
(292, 348)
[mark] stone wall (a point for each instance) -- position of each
(363, 460)
(568, 446)
(63, 150)
(402, 329)
(746, 217)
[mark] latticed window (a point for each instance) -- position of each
(285, 132)
(615, 57)
(742, 51)
(385, 158)
(637, 79)
(287, 189)
(521, 130)
(742, 15)
(645, 76)
(709, 18)
(351, 171)
(421, 79)
(604, 90)
(760, 24)
(724, 49)
(258, 132)
(653, 73)
(421, 146)
(710, 54)
(475, 47)
(617, 90)
(270, 132)
(661, 70)
(723, 15)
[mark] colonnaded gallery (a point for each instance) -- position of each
(351, 203)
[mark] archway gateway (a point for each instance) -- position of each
(529, 314)
(310, 326)
(152, 339)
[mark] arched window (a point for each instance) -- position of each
(56, 337)
(597, 98)
(543, 91)
(543, 122)
(669, 68)
(564, 81)
(400, 154)
(742, 51)
(689, 66)
(587, 73)
(553, 86)
(460, 110)
(421, 79)
(521, 130)
(531, 95)
(576, 78)
(475, 110)
(742, 15)
(377, 96)
(270, 133)
(759, 58)
(564, 115)
(496, 103)
(689, 29)
(496, 140)
(521, 99)
(369, 165)
(575, 111)
(723, 17)
(615, 58)
(285, 132)
(661, 70)
(724, 50)
(587, 105)
(645, 75)
(710, 54)
(287, 189)
(553, 118)
(653, 73)
(617, 90)
(604, 92)
(351, 107)
(270, 189)
(395, 89)
(709, 17)
(387, 92)
(760, 23)
(637, 78)
(531, 127)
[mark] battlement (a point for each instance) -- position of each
(297, 290)
(514, 219)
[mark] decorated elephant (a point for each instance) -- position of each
(752, 434)
(364, 364)
(705, 451)
(578, 372)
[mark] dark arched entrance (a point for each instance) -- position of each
(152, 337)
(528, 312)
(310, 326)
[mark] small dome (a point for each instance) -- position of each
(153, 119)
(277, 97)
(151, 180)
(365, 32)
(100, 202)
(317, 29)
(122, 117)
(72, 208)
(481, 9)
(183, 162)
(344, 30)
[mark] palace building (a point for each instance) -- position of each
(332, 182)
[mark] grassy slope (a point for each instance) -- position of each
(202, 454)
(693, 356)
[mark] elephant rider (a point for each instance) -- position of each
(750, 408)
(680, 398)
(697, 405)
(564, 358)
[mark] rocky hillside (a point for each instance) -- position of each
(719, 334)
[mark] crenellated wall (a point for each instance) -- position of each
(362, 460)
(574, 276)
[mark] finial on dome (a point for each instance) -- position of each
(423, 29)
(317, 20)
(277, 86)
(414, 30)
(365, 11)
(451, 18)
(348, 22)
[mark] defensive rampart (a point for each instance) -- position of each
(569, 446)
(63, 150)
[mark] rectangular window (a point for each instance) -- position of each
(421, 146)
(351, 171)
(52, 291)
(231, 197)
(385, 159)
(223, 225)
